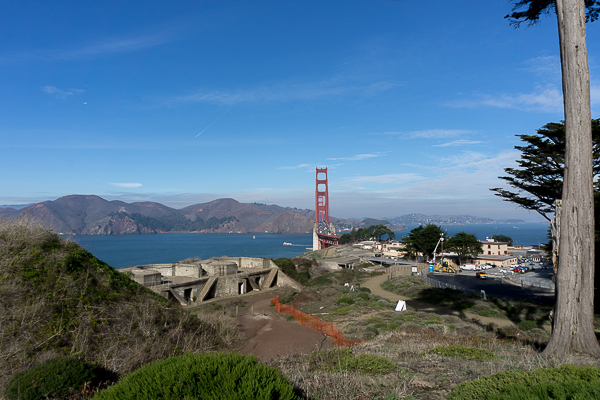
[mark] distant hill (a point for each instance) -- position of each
(93, 215)
(411, 219)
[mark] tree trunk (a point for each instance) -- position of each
(573, 331)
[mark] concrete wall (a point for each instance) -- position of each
(254, 262)
(284, 280)
(193, 270)
(227, 286)
(164, 269)
(220, 268)
(146, 277)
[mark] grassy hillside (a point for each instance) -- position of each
(56, 298)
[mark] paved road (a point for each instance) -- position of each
(496, 287)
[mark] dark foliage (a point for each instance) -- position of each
(59, 377)
(568, 382)
(289, 268)
(534, 9)
(217, 376)
(372, 232)
(538, 180)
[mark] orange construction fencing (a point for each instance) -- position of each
(314, 323)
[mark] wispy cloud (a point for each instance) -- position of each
(296, 166)
(284, 92)
(458, 143)
(59, 93)
(546, 98)
(544, 66)
(126, 185)
(96, 49)
(386, 179)
(359, 157)
(435, 133)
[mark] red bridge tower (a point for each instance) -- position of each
(323, 233)
(322, 198)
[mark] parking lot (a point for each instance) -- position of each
(495, 286)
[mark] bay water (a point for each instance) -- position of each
(121, 251)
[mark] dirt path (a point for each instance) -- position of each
(269, 335)
(374, 284)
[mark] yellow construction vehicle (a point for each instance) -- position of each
(444, 268)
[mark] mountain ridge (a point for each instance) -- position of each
(94, 215)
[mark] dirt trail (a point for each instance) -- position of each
(374, 284)
(269, 335)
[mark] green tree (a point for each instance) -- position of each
(572, 328)
(539, 178)
(372, 232)
(423, 240)
(465, 245)
(503, 238)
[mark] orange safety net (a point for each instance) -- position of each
(314, 323)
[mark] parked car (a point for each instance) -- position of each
(468, 267)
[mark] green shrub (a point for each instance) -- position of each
(463, 352)
(337, 360)
(375, 320)
(289, 268)
(488, 313)
(323, 280)
(567, 382)
(364, 289)
(363, 296)
(371, 331)
(58, 377)
(527, 325)
(344, 300)
(209, 377)
(343, 310)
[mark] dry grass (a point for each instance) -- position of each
(405, 338)
(55, 298)
(419, 375)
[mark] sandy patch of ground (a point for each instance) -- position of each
(270, 335)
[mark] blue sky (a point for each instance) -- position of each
(412, 106)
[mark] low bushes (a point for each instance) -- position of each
(338, 360)
(463, 352)
(568, 382)
(217, 376)
(58, 377)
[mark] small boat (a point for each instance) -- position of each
(254, 237)
(287, 244)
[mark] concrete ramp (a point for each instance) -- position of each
(206, 288)
(177, 296)
(268, 282)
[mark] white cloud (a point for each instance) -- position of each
(435, 133)
(546, 98)
(284, 92)
(126, 185)
(99, 48)
(359, 157)
(545, 66)
(386, 179)
(296, 167)
(59, 93)
(458, 143)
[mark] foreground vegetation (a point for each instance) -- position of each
(57, 299)
(65, 311)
